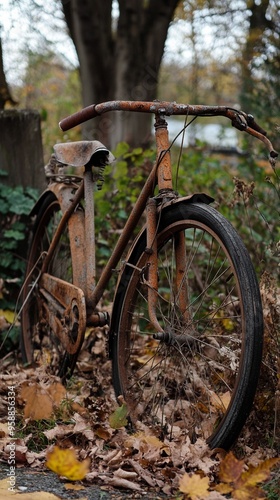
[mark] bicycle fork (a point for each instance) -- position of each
(164, 175)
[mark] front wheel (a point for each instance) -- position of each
(200, 375)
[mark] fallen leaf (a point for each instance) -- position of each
(243, 484)
(65, 463)
(71, 486)
(41, 401)
(121, 483)
(220, 402)
(144, 474)
(194, 486)
(118, 418)
(230, 469)
(3, 430)
(125, 474)
(258, 474)
(8, 315)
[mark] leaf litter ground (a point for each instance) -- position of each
(79, 432)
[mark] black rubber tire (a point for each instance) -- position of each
(38, 343)
(205, 385)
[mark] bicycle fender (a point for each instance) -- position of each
(60, 190)
(192, 198)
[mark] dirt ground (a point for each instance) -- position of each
(28, 480)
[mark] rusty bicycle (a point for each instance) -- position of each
(185, 333)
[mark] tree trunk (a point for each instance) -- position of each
(21, 150)
(258, 23)
(5, 95)
(120, 62)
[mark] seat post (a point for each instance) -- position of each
(163, 154)
(89, 234)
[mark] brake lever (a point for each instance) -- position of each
(246, 123)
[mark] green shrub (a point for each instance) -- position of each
(15, 205)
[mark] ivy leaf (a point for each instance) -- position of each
(194, 486)
(65, 463)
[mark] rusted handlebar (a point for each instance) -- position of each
(240, 120)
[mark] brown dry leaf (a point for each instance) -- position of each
(221, 402)
(125, 474)
(121, 483)
(40, 401)
(144, 474)
(148, 444)
(59, 431)
(103, 433)
(231, 468)
(83, 427)
(3, 430)
(65, 463)
(16, 495)
(71, 486)
(194, 486)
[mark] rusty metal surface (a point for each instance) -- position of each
(79, 153)
(242, 121)
(69, 198)
(65, 311)
(181, 275)
(89, 255)
(76, 229)
(152, 281)
(163, 155)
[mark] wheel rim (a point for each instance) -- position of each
(186, 384)
(40, 344)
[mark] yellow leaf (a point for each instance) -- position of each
(258, 474)
(223, 488)
(8, 315)
(194, 486)
(65, 463)
(248, 493)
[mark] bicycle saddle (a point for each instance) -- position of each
(83, 153)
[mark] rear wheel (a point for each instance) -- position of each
(200, 375)
(38, 341)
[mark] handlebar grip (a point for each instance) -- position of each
(251, 122)
(77, 118)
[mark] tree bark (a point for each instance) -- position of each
(21, 150)
(258, 23)
(119, 59)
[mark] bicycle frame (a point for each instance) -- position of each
(85, 292)
(82, 236)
